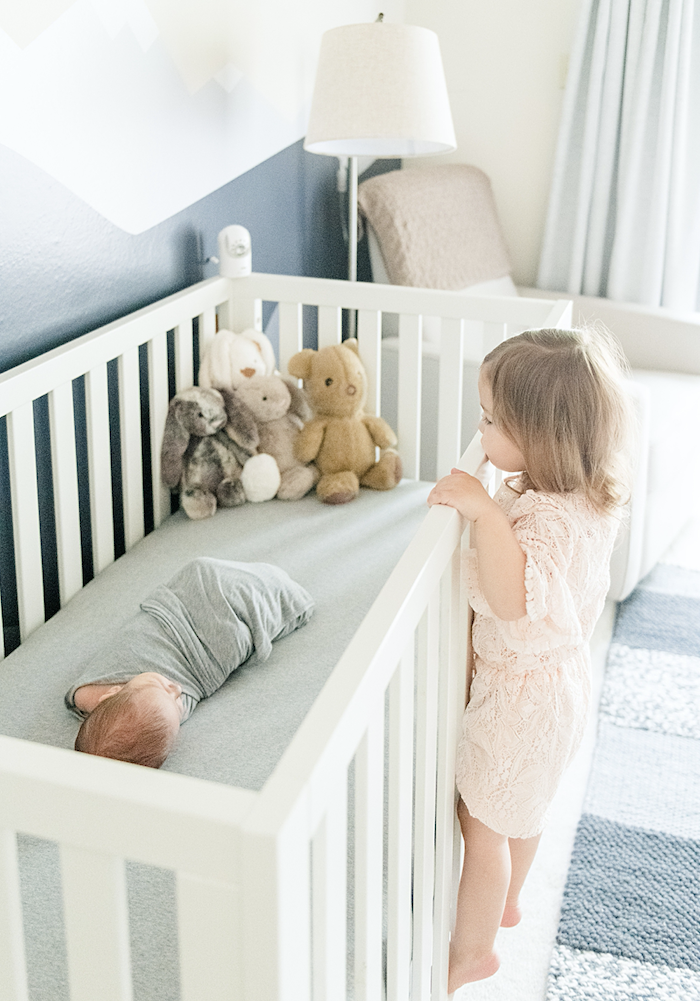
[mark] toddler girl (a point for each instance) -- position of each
(556, 412)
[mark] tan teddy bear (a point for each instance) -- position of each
(340, 438)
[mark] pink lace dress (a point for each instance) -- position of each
(530, 690)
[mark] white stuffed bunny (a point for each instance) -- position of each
(229, 359)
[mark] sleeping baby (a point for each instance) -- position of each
(185, 641)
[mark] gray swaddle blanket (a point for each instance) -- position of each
(199, 627)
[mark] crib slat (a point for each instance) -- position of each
(330, 325)
(291, 332)
(97, 407)
(13, 970)
(427, 672)
(25, 508)
(369, 859)
(158, 411)
(241, 313)
(65, 490)
(207, 329)
(410, 373)
(494, 333)
(208, 937)
(130, 426)
(184, 364)
(449, 444)
(369, 337)
(96, 925)
(329, 882)
(454, 625)
(398, 959)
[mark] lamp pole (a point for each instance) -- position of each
(352, 219)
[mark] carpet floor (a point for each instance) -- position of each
(630, 919)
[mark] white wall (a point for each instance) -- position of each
(143, 107)
(505, 63)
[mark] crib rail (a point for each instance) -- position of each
(101, 402)
(101, 813)
(406, 669)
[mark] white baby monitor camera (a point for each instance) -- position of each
(235, 256)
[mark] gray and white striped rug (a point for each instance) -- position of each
(630, 919)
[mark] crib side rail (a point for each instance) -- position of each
(335, 294)
(102, 813)
(405, 669)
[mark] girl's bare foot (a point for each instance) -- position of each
(511, 916)
(466, 971)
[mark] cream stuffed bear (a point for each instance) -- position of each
(341, 438)
(280, 409)
(229, 359)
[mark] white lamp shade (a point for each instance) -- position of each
(380, 91)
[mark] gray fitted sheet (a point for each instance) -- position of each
(341, 555)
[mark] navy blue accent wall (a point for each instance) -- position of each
(64, 269)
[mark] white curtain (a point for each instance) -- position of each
(624, 212)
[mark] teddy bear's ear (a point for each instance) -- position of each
(241, 426)
(176, 438)
(299, 365)
(352, 344)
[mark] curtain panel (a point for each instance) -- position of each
(624, 211)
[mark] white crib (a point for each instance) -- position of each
(262, 887)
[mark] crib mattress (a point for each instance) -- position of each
(341, 555)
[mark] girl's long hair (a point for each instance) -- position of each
(559, 395)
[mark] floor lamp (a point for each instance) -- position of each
(380, 91)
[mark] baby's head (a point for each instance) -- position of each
(138, 721)
(559, 396)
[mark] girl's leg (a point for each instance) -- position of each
(522, 852)
(480, 902)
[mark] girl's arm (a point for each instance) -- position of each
(501, 560)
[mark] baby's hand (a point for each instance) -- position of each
(462, 492)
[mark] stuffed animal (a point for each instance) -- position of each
(229, 359)
(341, 438)
(207, 442)
(280, 409)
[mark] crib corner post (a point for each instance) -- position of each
(13, 971)
(276, 901)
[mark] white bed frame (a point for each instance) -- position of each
(261, 876)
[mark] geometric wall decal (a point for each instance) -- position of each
(143, 107)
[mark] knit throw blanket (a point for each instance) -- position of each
(630, 920)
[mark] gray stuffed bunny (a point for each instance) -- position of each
(207, 440)
(280, 409)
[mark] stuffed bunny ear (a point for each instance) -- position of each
(299, 405)
(351, 343)
(299, 365)
(175, 441)
(264, 346)
(241, 427)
